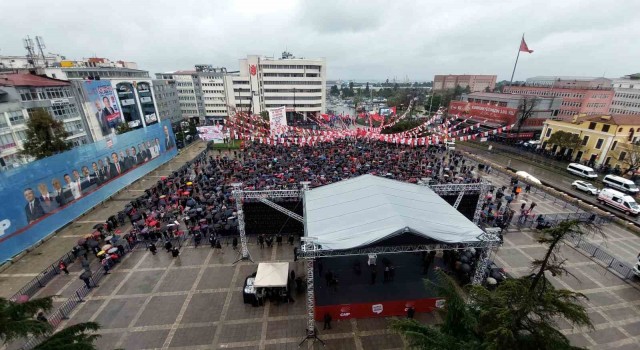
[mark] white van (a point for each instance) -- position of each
(581, 170)
(620, 183)
(451, 145)
(619, 200)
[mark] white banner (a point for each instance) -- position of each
(278, 120)
(211, 133)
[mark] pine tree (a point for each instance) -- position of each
(17, 320)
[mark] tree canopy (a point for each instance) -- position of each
(46, 136)
(520, 313)
(565, 140)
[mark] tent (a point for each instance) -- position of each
(371, 211)
(272, 275)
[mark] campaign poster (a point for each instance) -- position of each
(213, 133)
(103, 104)
(43, 196)
(483, 112)
(278, 121)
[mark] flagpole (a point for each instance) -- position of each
(516, 64)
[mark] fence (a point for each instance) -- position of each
(553, 219)
(620, 267)
(32, 287)
(62, 313)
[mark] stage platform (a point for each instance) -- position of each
(407, 284)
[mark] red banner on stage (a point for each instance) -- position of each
(381, 309)
(480, 112)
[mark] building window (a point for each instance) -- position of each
(16, 117)
(21, 135)
(613, 146)
(7, 141)
(585, 140)
(622, 155)
(630, 134)
(592, 126)
(605, 127)
(599, 143)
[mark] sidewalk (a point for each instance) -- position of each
(33, 263)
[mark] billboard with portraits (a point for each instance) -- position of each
(103, 104)
(45, 195)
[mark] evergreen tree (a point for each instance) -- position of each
(46, 136)
(17, 320)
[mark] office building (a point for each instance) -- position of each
(591, 96)
(20, 95)
(261, 83)
(166, 93)
(495, 109)
(475, 83)
(626, 98)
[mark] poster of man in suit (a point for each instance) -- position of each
(33, 208)
(103, 104)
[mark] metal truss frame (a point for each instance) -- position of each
(482, 188)
(281, 209)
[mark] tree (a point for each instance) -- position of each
(467, 90)
(457, 91)
(366, 90)
(334, 91)
(520, 313)
(46, 136)
(122, 128)
(631, 157)
(565, 140)
(525, 110)
(17, 319)
(487, 89)
(395, 87)
(265, 114)
(72, 337)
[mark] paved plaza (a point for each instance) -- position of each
(195, 301)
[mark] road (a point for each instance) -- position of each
(555, 178)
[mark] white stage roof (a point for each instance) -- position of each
(272, 275)
(368, 209)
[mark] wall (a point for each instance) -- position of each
(21, 226)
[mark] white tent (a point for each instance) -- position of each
(272, 275)
(367, 209)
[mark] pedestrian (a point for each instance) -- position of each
(292, 275)
(168, 246)
(527, 189)
(392, 273)
(295, 253)
(121, 249)
(410, 312)
(153, 249)
(234, 243)
(327, 321)
(212, 240)
(523, 206)
(175, 252)
(105, 265)
(63, 267)
(41, 317)
(385, 275)
(86, 280)
(85, 264)
(533, 205)
(261, 241)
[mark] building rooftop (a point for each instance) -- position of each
(613, 119)
(561, 77)
(497, 95)
(24, 79)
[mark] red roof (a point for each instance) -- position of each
(17, 79)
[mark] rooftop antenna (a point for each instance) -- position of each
(41, 47)
(31, 56)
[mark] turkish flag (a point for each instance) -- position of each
(393, 110)
(524, 47)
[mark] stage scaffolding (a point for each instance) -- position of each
(310, 250)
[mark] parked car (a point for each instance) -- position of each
(585, 187)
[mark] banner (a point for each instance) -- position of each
(103, 104)
(213, 133)
(484, 112)
(278, 120)
(45, 195)
(378, 309)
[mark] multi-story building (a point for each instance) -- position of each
(591, 96)
(475, 83)
(495, 109)
(20, 95)
(626, 99)
(606, 139)
(299, 84)
(166, 93)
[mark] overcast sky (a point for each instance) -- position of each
(360, 39)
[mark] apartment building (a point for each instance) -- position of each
(626, 98)
(475, 83)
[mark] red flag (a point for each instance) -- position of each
(524, 47)
(393, 110)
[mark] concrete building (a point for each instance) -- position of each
(20, 95)
(607, 140)
(166, 93)
(495, 109)
(476, 83)
(626, 98)
(260, 83)
(591, 96)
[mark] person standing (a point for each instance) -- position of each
(327, 321)
(63, 267)
(152, 248)
(410, 312)
(86, 280)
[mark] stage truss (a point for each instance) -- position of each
(309, 250)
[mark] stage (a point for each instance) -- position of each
(355, 296)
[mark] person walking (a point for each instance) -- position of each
(63, 267)
(85, 277)
(153, 249)
(175, 252)
(105, 265)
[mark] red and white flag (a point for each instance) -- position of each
(524, 47)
